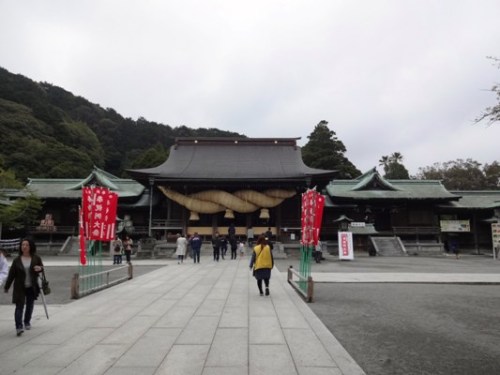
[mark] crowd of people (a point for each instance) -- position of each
(261, 260)
(25, 272)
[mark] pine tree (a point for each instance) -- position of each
(325, 151)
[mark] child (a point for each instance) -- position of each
(241, 246)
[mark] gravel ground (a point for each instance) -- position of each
(415, 328)
(412, 329)
(60, 282)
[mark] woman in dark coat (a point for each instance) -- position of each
(24, 273)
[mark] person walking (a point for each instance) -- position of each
(454, 247)
(4, 267)
(181, 248)
(223, 247)
(250, 236)
(196, 243)
(269, 234)
(234, 246)
(216, 246)
(24, 273)
(262, 262)
(318, 252)
(241, 246)
(189, 250)
(231, 231)
(117, 248)
(127, 248)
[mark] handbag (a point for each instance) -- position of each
(45, 284)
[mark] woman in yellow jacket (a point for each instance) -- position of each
(262, 263)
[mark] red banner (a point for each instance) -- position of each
(83, 254)
(312, 215)
(99, 213)
(318, 217)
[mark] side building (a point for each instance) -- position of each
(422, 213)
(62, 197)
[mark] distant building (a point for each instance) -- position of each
(207, 184)
(62, 197)
(210, 183)
(418, 211)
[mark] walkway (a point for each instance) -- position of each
(397, 277)
(180, 319)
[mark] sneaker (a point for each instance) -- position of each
(19, 331)
(267, 291)
(261, 293)
(27, 327)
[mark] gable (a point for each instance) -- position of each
(372, 186)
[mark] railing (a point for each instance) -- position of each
(301, 283)
(67, 243)
(137, 229)
(166, 224)
(416, 230)
(56, 229)
(10, 246)
(87, 284)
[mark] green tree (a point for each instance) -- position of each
(325, 151)
(492, 114)
(384, 161)
(18, 212)
(150, 158)
(459, 174)
(492, 175)
(47, 131)
(393, 167)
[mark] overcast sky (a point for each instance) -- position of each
(389, 76)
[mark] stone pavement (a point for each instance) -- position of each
(203, 318)
(397, 277)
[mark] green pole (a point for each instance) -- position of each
(305, 265)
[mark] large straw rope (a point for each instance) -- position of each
(242, 201)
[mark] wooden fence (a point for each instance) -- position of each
(305, 286)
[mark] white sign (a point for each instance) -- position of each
(495, 235)
(455, 225)
(346, 248)
(360, 224)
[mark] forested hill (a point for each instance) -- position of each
(47, 132)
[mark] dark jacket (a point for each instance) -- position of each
(216, 242)
(17, 275)
(195, 242)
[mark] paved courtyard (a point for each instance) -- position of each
(411, 315)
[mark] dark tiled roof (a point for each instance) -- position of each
(70, 188)
(476, 200)
(233, 159)
(372, 185)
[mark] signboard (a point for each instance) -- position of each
(455, 225)
(346, 248)
(99, 213)
(495, 236)
(358, 224)
(312, 215)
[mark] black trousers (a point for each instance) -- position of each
(259, 284)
